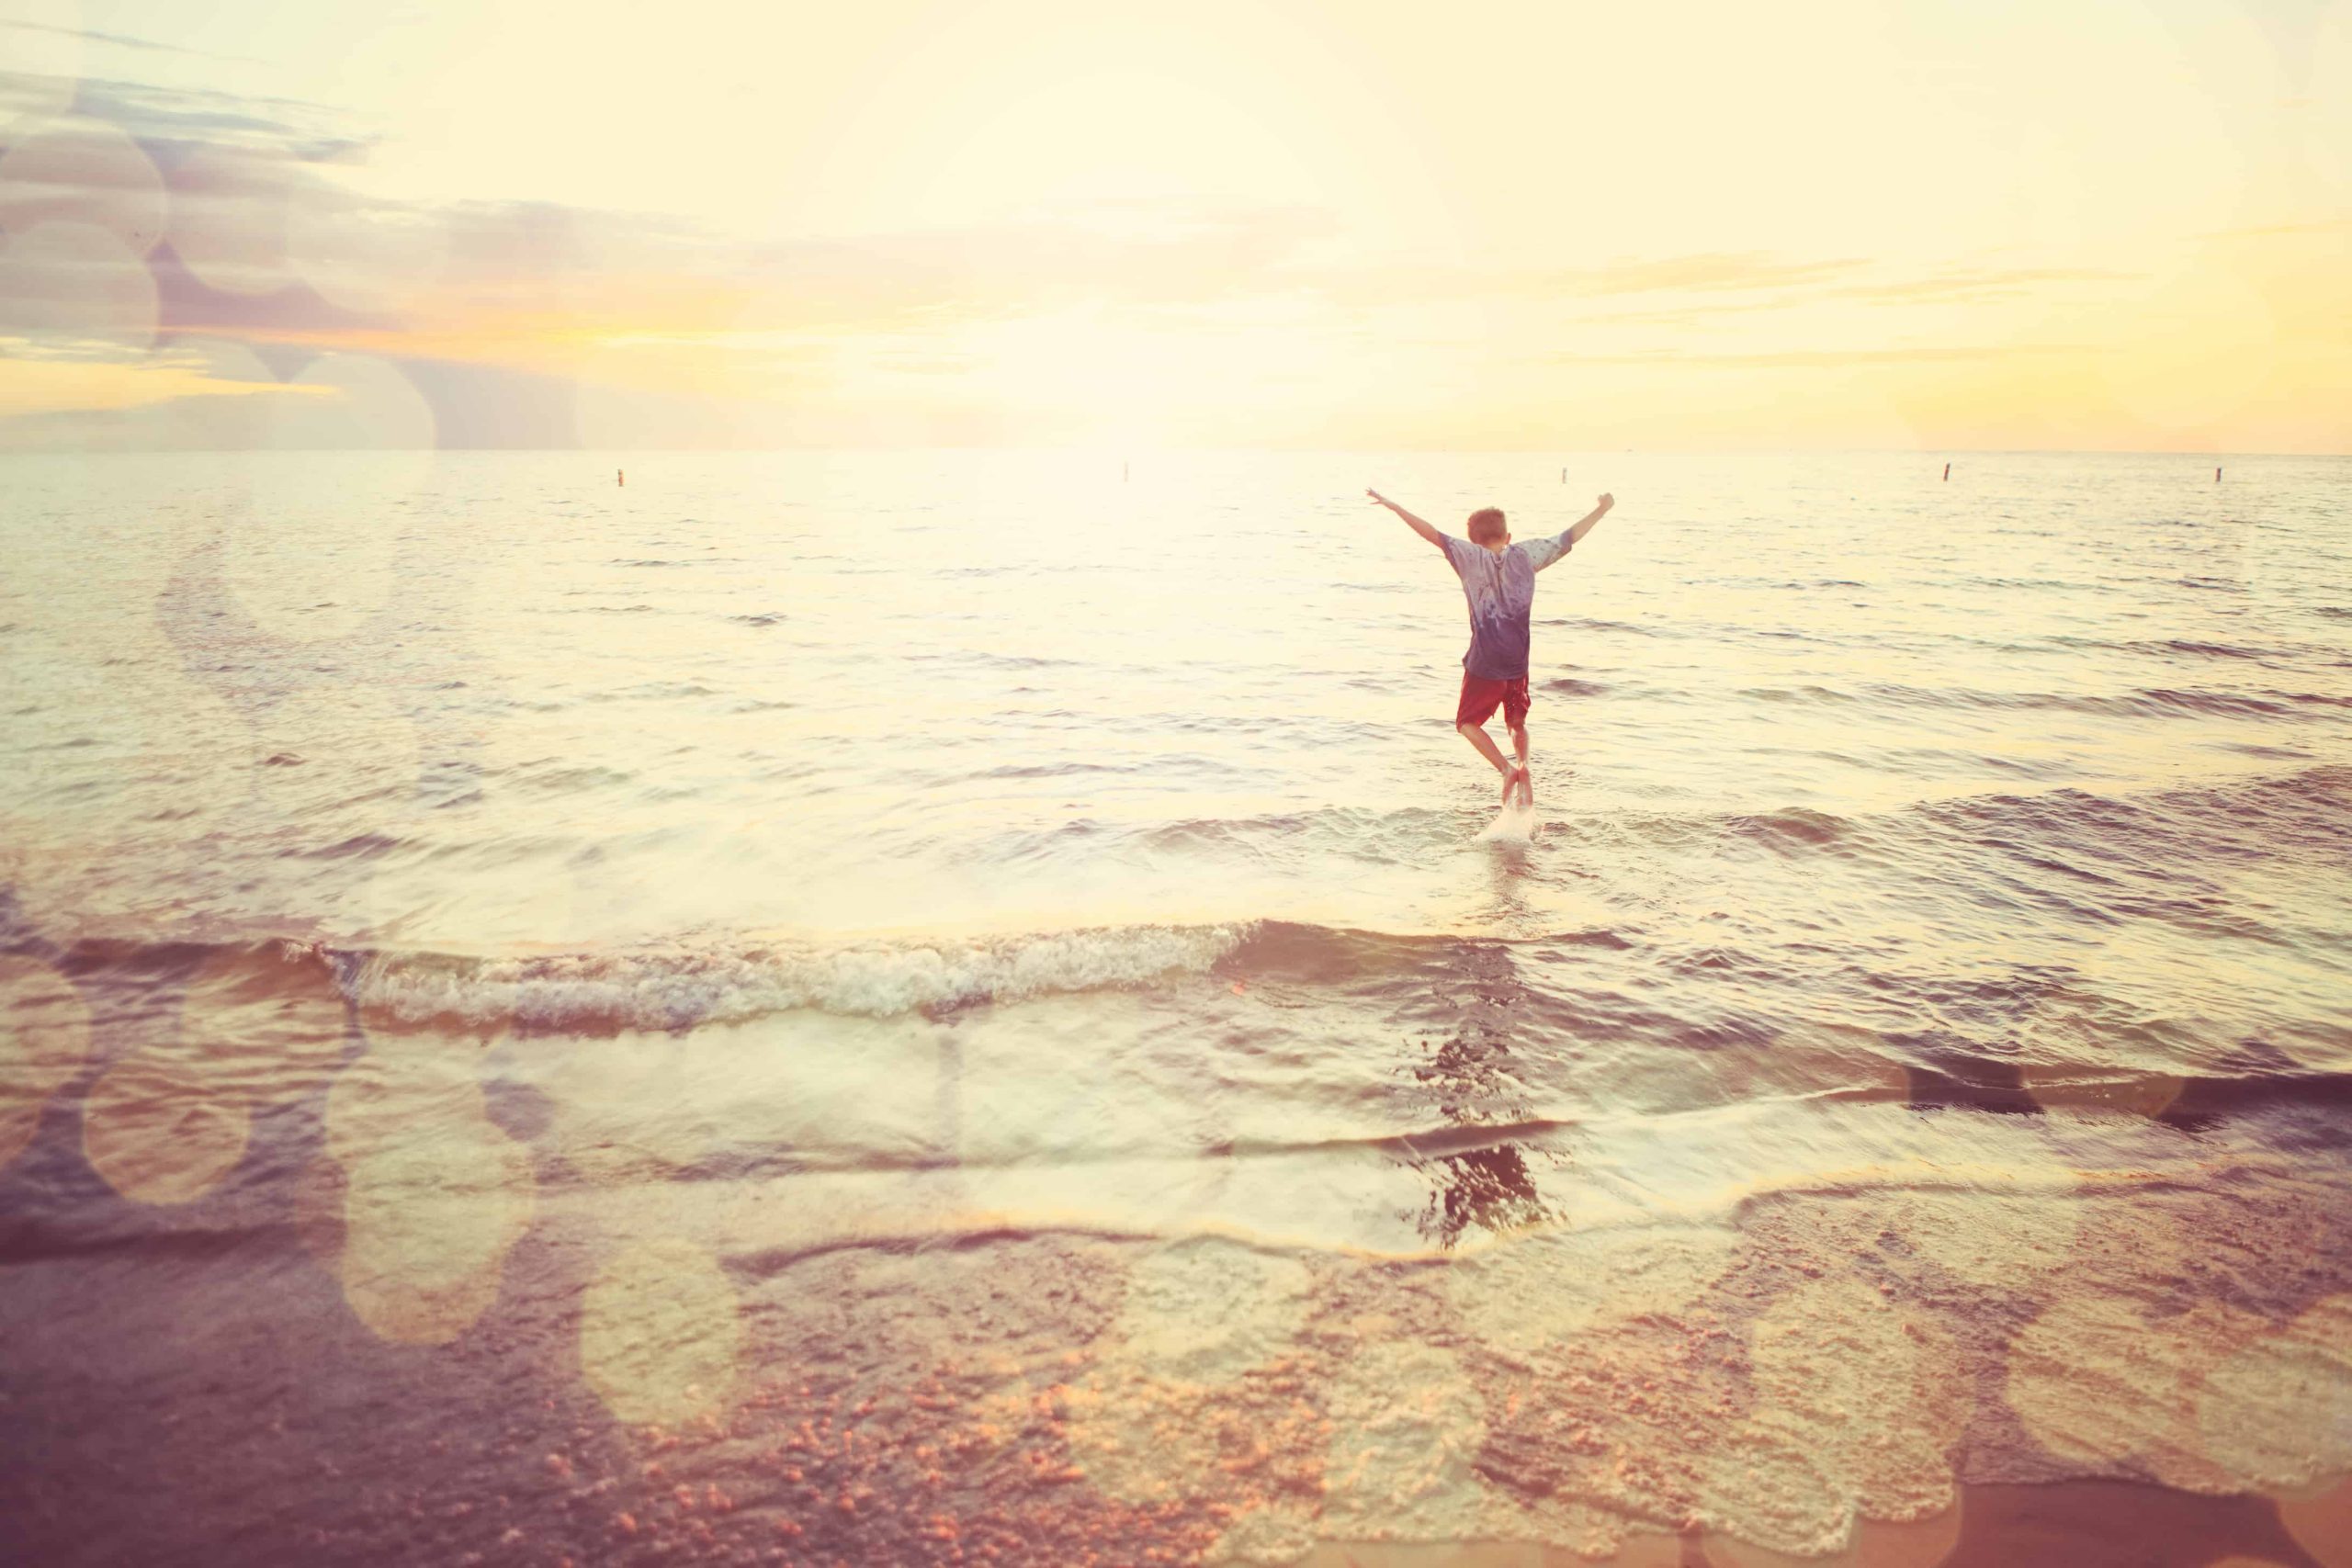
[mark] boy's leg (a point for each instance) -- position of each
(1479, 700)
(1476, 734)
(1515, 719)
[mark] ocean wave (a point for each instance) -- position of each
(2207, 649)
(1301, 952)
(1380, 835)
(681, 984)
(2260, 815)
(2307, 813)
(1593, 624)
(988, 659)
(1794, 824)
(2155, 701)
(1049, 771)
(679, 987)
(654, 690)
(358, 846)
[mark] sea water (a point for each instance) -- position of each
(871, 1004)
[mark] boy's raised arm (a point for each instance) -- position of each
(1584, 524)
(1423, 529)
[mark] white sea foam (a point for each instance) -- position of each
(1515, 824)
(678, 987)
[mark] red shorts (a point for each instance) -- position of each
(1480, 697)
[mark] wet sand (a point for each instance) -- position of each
(1002, 1397)
(2093, 1524)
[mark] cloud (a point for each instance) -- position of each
(1710, 271)
(1823, 359)
(312, 132)
(1967, 285)
(482, 405)
(515, 282)
(287, 314)
(1704, 284)
(173, 399)
(120, 41)
(500, 312)
(2265, 231)
(496, 309)
(1970, 285)
(1135, 252)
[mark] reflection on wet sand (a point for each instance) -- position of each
(254, 1028)
(660, 1333)
(44, 1039)
(159, 1132)
(1470, 1079)
(435, 1193)
(1482, 1190)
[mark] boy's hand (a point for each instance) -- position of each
(1378, 497)
(1607, 500)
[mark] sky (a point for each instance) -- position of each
(1947, 224)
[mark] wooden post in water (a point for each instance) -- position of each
(2217, 476)
(1947, 473)
(620, 479)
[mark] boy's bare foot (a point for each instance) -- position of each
(1516, 778)
(1526, 788)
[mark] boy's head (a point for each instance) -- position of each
(1486, 526)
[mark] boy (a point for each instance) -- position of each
(1498, 580)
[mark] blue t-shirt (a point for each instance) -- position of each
(1501, 587)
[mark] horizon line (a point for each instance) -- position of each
(1124, 455)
